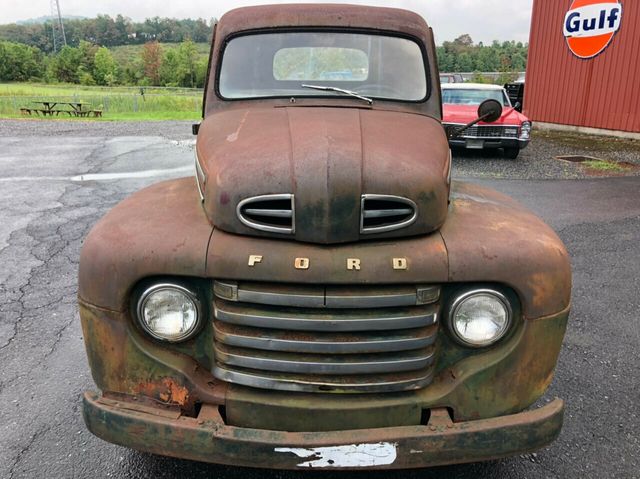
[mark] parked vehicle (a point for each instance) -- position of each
(451, 78)
(515, 91)
(512, 131)
(322, 295)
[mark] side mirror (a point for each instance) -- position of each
(518, 107)
(489, 111)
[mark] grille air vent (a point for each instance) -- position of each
(382, 213)
(272, 213)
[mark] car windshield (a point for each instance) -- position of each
(473, 97)
(291, 64)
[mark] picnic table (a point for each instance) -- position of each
(48, 108)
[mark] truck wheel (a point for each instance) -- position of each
(511, 153)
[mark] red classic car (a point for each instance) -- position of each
(512, 131)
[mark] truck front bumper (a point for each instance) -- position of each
(206, 438)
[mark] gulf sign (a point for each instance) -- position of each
(590, 25)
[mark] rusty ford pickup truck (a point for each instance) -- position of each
(322, 295)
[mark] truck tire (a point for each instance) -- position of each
(511, 153)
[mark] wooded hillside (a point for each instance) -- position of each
(169, 52)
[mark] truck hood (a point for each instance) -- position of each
(327, 158)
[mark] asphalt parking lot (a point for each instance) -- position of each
(57, 180)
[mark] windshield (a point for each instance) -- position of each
(279, 64)
(473, 97)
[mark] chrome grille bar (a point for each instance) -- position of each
(324, 364)
(300, 297)
(327, 297)
(325, 343)
(312, 321)
(325, 384)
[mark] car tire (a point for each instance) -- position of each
(511, 153)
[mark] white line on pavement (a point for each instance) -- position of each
(103, 176)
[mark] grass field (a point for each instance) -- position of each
(117, 103)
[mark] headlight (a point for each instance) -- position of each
(450, 130)
(169, 312)
(525, 131)
(480, 318)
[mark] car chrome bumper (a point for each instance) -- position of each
(489, 143)
(206, 438)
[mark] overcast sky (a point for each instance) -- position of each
(484, 20)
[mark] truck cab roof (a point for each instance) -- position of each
(378, 21)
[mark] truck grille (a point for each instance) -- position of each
(325, 339)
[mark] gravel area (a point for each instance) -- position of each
(538, 161)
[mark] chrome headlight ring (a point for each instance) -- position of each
(474, 338)
(187, 296)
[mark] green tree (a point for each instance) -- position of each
(461, 55)
(169, 69)
(107, 31)
(464, 62)
(464, 41)
(66, 64)
(75, 64)
(105, 69)
(187, 59)
(87, 55)
(201, 72)
(85, 77)
(123, 30)
(20, 62)
(519, 62)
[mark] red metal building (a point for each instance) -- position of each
(584, 64)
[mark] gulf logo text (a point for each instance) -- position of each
(589, 26)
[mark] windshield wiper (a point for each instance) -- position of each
(339, 90)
